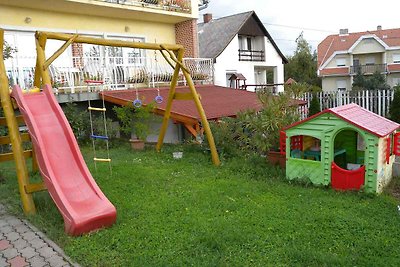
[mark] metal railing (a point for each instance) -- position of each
(183, 6)
(251, 55)
(115, 72)
(368, 68)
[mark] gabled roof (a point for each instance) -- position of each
(216, 35)
(343, 43)
(359, 117)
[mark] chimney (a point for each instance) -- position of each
(343, 31)
(379, 28)
(207, 17)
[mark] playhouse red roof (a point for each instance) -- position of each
(361, 118)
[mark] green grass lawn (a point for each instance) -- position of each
(188, 212)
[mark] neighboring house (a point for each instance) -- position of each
(173, 22)
(241, 47)
(342, 56)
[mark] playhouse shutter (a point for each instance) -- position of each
(396, 144)
(282, 142)
(296, 142)
(388, 150)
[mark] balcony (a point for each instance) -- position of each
(368, 69)
(183, 6)
(116, 73)
(165, 11)
(251, 55)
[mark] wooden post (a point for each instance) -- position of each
(168, 107)
(204, 121)
(22, 171)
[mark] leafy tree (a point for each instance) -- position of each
(8, 50)
(302, 65)
(374, 82)
(394, 111)
(314, 105)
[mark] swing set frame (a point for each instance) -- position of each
(173, 54)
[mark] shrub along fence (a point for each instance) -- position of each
(377, 101)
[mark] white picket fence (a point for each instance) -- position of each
(377, 101)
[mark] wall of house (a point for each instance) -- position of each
(172, 136)
(389, 55)
(274, 59)
(12, 17)
(393, 79)
(331, 83)
(228, 62)
(364, 58)
(384, 170)
(333, 62)
(368, 45)
(186, 35)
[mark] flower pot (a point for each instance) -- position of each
(276, 158)
(177, 155)
(137, 144)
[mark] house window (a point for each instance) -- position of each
(396, 58)
(245, 43)
(248, 41)
(340, 62)
(341, 85)
(370, 61)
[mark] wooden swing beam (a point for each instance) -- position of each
(175, 53)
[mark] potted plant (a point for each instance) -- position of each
(136, 122)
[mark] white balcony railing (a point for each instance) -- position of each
(183, 6)
(115, 72)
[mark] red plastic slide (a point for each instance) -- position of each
(81, 203)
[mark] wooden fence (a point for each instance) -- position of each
(377, 101)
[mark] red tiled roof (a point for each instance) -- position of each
(333, 71)
(334, 43)
(217, 101)
(393, 67)
(359, 117)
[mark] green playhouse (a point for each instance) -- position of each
(348, 147)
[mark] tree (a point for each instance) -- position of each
(374, 82)
(394, 111)
(8, 50)
(302, 65)
(314, 105)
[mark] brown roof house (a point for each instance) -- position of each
(342, 56)
(240, 44)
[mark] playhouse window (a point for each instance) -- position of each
(305, 147)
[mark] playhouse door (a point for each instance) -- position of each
(347, 180)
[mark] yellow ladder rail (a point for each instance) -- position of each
(15, 138)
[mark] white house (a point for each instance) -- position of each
(241, 48)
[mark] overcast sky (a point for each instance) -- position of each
(285, 19)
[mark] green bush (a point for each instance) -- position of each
(264, 126)
(79, 121)
(394, 111)
(136, 120)
(255, 132)
(314, 106)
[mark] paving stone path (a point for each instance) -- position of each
(21, 244)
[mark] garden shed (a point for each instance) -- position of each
(348, 147)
